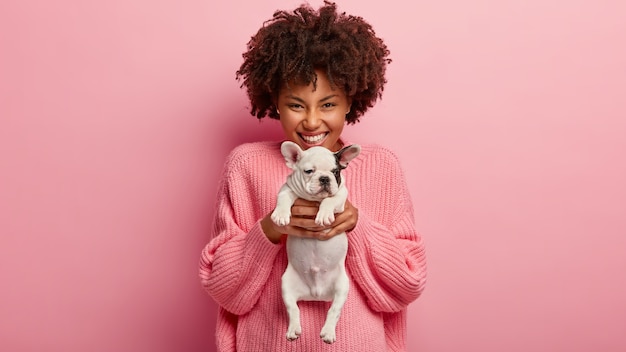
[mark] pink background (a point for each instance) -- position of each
(116, 116)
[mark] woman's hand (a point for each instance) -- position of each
(302, 222)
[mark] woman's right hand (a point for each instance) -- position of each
(302, 222)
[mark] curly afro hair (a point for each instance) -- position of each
(292, 45)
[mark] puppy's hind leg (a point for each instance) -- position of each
(290, 298)
(328, 333)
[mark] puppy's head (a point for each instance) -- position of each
(316, 171)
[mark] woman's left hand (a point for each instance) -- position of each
(344, 222)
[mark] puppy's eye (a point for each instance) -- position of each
(308, 171)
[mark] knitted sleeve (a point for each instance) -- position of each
(237, 262)
(386, 253)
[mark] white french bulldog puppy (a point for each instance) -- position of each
(316, 269)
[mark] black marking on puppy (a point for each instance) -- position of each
(337, 171)
(343, 164)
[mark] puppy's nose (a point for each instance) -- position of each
(324, 180)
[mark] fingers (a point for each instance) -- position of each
(335, 229)
(304, 208)
(303, 224)
(307, 228)
(304, 202)
(306, 224)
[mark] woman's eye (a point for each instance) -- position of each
(295, 106)
(328, 105)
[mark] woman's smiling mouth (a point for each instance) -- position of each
(313, 139)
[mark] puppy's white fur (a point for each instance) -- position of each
(316, 269)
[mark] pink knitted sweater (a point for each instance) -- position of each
(241, 269)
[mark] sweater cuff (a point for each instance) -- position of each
(259, 247)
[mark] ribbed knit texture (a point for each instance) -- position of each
(241, 269)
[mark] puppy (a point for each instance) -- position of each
(316, 269)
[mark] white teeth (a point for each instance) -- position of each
(314, 139)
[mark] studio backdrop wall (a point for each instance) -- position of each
(116, 116)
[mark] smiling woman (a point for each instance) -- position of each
(315, 71)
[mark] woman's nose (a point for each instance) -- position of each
(312, 120)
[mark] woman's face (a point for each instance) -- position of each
(313, 116)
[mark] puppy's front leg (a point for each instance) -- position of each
(282, 213)
(331, 205)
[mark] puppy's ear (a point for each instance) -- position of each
(292, 153)
(346, 154)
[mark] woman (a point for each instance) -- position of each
(315, 71)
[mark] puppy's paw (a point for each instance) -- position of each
(294, 331)
(328, 335)
(281, 217)
(324, 217)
